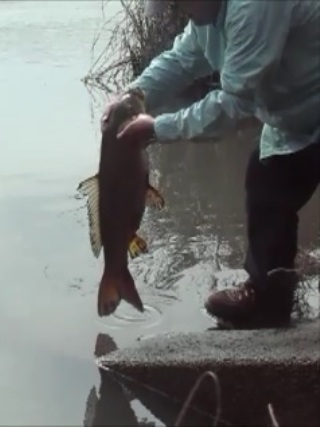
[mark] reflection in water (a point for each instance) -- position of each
(112, 407)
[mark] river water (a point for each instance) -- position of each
(49, 142)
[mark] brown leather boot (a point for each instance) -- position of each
(245, 304)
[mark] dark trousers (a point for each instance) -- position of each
(276, 189)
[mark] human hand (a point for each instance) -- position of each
(140, 129)
(108, 109)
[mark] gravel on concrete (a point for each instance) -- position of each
(255, 367)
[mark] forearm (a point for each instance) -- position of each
(173, 70)
(253, 51)
(217, 113)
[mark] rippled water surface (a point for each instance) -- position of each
(50, 142)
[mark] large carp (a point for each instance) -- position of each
(117, 196)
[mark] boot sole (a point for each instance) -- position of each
(254, 323)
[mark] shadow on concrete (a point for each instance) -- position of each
(280, 367)
(112, 405)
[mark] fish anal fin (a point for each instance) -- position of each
(137, 246)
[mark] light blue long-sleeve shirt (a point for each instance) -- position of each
(268, 56)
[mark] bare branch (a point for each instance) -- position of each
(132, 42)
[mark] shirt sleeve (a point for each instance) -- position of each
(173, 70)
(256, 32)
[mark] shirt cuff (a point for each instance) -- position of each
(165, 128)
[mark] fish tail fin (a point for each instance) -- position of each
(129, 292)
(108, 294)
(113, 288)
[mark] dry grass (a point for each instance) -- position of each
(132, 42)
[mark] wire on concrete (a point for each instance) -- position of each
(192, 393)
(272, 416)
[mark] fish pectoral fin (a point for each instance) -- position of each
(90, 189)
(154, 198)
(137, 246)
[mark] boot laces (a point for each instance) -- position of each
(244, 291)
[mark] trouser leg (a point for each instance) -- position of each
(276, 189)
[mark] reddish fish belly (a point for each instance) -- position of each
(123, 178)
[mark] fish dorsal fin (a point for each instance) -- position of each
(90, 189)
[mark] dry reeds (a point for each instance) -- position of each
(132, 41)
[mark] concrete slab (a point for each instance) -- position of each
(255, 367)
